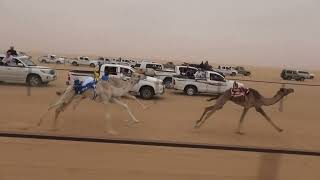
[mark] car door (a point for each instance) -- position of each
(112, 71)
(18, 73)
(126, 73)
(216, 83)
(3, 71)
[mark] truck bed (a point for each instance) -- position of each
(81, 72)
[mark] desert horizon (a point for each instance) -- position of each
(273, 33)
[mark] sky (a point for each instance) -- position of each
(283, 33)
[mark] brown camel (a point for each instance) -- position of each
(252, 99)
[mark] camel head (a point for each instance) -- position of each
(285, 91)
(137, 76)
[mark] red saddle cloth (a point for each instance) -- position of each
(237, 92)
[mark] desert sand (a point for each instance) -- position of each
(169, 117)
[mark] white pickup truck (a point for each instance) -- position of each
(50, 58)
(214, 83)
(227, 70)
(25, 71)
(83, 60)
(146, 88)
(167, 74)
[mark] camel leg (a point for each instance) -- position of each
(47, 112)
(127, 109)
(261, 111)
(55, 120)
(134, 98)
(77, 100)
(58, 111)
(110, 129)
(244, 112)
(207, 112)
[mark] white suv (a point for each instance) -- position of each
(25, 71)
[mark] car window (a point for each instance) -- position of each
(137, 65)
(303, 72)
(154, 66)
(182, 69)
(126, 72)
(111, 70)
(193, 71)
(1, 63)
(216, 77)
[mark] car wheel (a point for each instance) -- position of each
(74, 63)
(167, 83)
(43, 61)
(233, 74)
(302, 79)
(190, 90)
(146, 92)
(247, 74)
(92, 65)
(58, 62)
(34, 80)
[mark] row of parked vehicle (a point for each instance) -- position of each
(182, 77)
(84, 60)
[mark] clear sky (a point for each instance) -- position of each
(257, 32)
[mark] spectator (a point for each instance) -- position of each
(12, 51)
(8, 60)
(198, 74)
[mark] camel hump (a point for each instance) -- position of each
(255, 93)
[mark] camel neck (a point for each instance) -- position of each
(271, 101)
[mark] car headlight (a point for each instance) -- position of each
(52, 72)
(44, 71)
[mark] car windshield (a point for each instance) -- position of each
(27, 62)
(303, 72)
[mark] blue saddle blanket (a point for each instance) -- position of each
(81, 87)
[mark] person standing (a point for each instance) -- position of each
(12, 51)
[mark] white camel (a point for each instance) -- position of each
(106, 92)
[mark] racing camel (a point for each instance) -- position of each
(105, 92)
(251, 99)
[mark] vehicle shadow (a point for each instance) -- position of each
(25, 85)
(178, 93)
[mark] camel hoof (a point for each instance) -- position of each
(240, 133)
(113, 132)
(24, 128)
(197, 126)
(54, 129)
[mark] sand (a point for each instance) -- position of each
(169, 117)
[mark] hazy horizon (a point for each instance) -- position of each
(281, 33)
